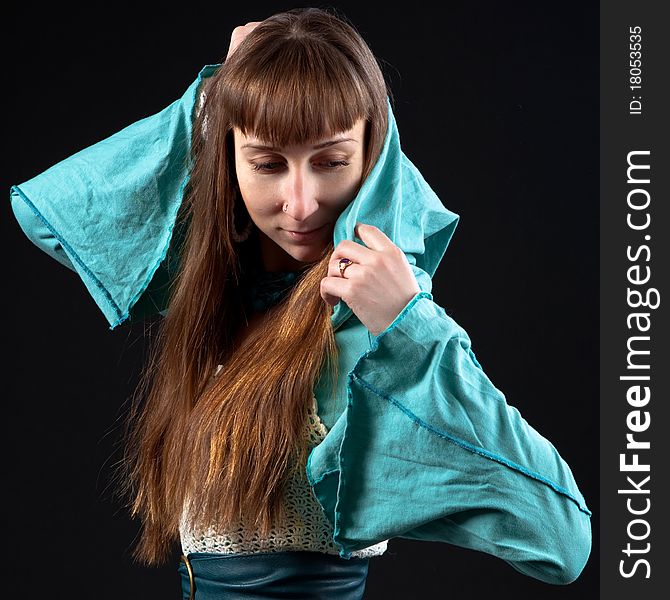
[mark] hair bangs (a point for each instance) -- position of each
(305, 93)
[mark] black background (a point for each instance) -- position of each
(496, 104)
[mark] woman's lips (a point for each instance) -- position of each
(305, 237)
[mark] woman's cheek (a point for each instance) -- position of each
(259, 200)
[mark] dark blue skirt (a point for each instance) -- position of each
(295, 575)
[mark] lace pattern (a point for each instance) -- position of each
(305, 527)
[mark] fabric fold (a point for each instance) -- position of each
(108, 212)
(430, 450)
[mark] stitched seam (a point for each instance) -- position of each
(341, 481)
(475, 449)
(69, 248)
(400, 317)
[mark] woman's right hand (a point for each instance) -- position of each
(239, 33)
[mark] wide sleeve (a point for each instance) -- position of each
(152, 300)
(109, 212)
(431, 450)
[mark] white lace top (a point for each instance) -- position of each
(305, 527)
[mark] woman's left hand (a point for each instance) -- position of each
(379, 283)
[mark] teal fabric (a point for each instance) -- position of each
(421, 444)
(108, 211)
(294, 575)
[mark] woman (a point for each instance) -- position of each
(284, 442)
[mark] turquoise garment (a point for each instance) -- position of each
(108, 211)
(421, 444)
(294, 574)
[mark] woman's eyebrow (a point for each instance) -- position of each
(332, 142)
(317, 147)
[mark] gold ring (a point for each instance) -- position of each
(191, 583)
(343, 264)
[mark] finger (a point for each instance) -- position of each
(373, 237)
(334, 289)
(330, 298)
(353, 250)
(246, 28)
(353, 271)
(239, 33)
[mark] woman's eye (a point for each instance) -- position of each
(265, 166)
(330, 165)
(335, 164)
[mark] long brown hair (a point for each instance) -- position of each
(215, 449)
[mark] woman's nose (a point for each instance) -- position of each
(300, 195)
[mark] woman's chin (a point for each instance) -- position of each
(306, 254)
(285, 255)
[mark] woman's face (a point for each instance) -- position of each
(316, 180)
